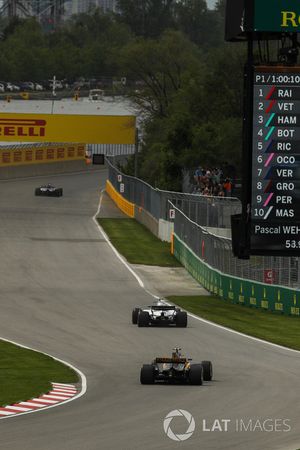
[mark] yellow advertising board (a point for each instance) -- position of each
(67, 128)
(38, 155)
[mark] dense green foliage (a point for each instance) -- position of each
(191, 88)
(86, 46)
(181, 74)
(196, 117)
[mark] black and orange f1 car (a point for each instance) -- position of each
(176, 368)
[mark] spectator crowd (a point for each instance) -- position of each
(211, 182)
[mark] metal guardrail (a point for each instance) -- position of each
(217, 252)
(111, 149)
(193, 213)
(206, 211)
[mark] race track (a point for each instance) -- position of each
(64, 292)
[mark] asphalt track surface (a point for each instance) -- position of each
(64, 292)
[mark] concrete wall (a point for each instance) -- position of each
(142, 216)
(165, 229)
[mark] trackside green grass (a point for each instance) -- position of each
(25, 374)
(137, 243)
(282, 330)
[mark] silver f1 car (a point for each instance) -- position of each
(159, 314)
(49, 190)
(176, 369)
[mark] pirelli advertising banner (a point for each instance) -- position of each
(67, 128)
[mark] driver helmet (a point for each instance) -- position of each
(159, 302)
(176, 353)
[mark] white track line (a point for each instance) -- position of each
(221, 327)
(121, 258)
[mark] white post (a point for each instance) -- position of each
(53, 91)
(54, 86)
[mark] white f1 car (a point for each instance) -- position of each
(159, 314)
(49, 190)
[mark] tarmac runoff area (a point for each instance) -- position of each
(65, 292)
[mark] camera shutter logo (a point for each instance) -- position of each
(177, 413)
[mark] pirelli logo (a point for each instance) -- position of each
(22, 127)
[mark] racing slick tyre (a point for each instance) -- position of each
(60, 192)
(135, 314)
(37, 191)
(196, 374)
(207, 370)
(147, 374)
(181, 319)
(143, 319)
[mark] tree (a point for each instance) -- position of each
(23, 52)
(160, 66)
(224, 84)
(147, 18)
(203, 123)
(199, 23)
(220, 7)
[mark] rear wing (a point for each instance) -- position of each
(163, 307)
(170, 360)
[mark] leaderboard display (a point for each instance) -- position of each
(275, 193)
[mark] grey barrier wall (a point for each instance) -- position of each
(192, 214)
(142, 216)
